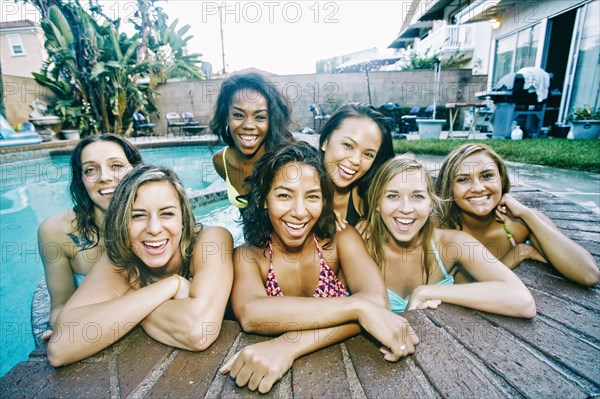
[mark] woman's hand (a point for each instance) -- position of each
(509, 206)
(340, 223)
(392, 330)
(418, 300)
(527, 251)
(46, 335)
(260, 365)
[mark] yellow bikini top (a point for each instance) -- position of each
(232, 193)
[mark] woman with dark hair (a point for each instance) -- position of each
(71, 242)
(474, 185)
(291, 249)
(354, 143)
(251, 117)
(153, 249)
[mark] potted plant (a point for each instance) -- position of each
(585, 121)
(71, 117)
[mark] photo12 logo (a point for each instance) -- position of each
(271, 11)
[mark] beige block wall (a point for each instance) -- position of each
(407, 88)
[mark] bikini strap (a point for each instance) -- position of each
(439, 260)
(225, 164)
(318, 249)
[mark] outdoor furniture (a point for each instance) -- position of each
(174, 123)
(141, 127)
(191, 130)
(389, 111)
(462, 353)
(453, 112)
(319, 116)
(408, 123)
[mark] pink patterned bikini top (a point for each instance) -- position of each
(328, 286)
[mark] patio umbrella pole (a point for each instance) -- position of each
(436, 84)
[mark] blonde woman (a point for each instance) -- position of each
(153, 250)
(415, 256)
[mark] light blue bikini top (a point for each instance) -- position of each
(398, 304)
(78, 279)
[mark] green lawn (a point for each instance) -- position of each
(567, 154)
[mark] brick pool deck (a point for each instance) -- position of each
(463, 353)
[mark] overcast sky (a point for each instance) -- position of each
(283, 37)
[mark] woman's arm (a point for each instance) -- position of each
(568, 257)
(57, 267)
(193, 323)
(498, 289)
(260, 365)
(259, 313)
(102, 311)
(218, 163)
(368, 304)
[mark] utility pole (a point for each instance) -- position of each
(222, 41)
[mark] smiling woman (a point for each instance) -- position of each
(97, 165)
(153, 248)
(252, 117)
(293, 253)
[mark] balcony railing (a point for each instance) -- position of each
(458, 37)
(449, 38)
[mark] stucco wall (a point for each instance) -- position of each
(19, 92)
(410, 88)
(31, 61)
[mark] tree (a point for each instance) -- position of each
(100, 75)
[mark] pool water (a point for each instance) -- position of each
(34, 190)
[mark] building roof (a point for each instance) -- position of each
(19, 24)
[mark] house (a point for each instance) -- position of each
(560, 37)
(23, 52)
(433, 27)
(22, 44)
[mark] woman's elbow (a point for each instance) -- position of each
(56, 355)
(591, 278)
(525, 306)
(204, 335)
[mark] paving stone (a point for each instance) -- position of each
(564, 349)
(568, 314)
(540, 277)
(231, 390)
(40, 380)
(451, 370)
(509, 358)
(576, 217)
(134, 365)
(321, 375)
(191, 373)
(576, 225)
(401, 380)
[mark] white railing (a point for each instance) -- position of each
(458, 37)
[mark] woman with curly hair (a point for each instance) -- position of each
(71, 242)
(415, 256)
(153, 249)
(252, 117)
(474, 185)
(293, 276)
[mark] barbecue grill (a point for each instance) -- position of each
(519, 98)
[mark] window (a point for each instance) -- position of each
(516, 51)
(587, 77)
(16, 46)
